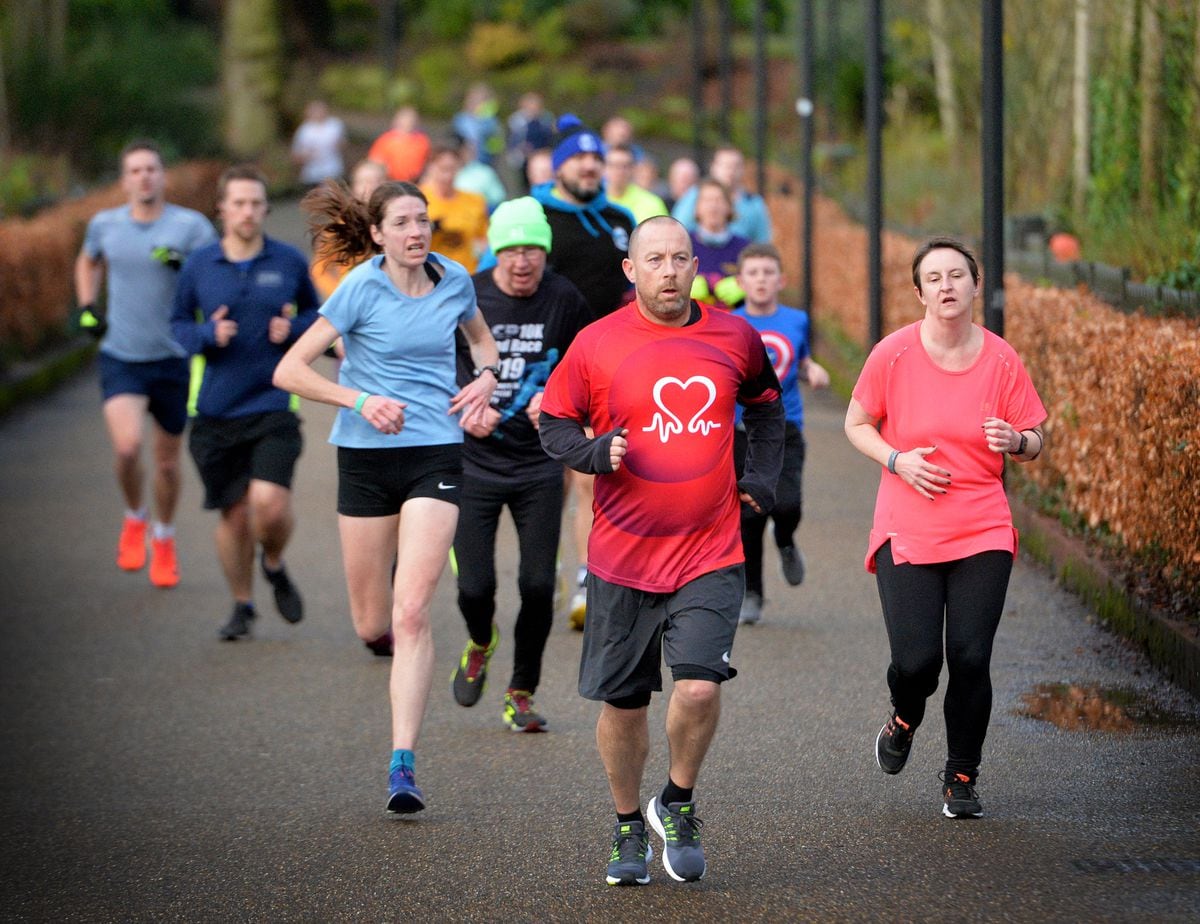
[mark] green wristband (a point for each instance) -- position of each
(358, 405)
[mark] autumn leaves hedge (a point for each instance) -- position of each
(37, 256)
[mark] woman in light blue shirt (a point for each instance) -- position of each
(399, 430)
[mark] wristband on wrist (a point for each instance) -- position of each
(891, 463)
(1020, 450)
(494, 370)
(358, 405)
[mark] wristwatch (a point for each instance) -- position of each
(1020, 450)
(494, 370)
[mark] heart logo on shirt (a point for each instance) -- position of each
(667, 422)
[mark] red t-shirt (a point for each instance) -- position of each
(921, 404)
(671, 512)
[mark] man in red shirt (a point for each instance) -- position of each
(658, 380)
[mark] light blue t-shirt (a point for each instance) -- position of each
(402, 348)
(141, 285)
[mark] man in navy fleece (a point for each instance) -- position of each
(240, 303)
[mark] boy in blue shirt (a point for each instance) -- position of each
(241, 302)
(784, 333)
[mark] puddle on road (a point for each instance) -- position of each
(1078, 708)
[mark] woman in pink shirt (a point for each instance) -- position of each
(938, 405)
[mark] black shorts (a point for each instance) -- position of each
(163, 381)
(377, 482)
(629, 632)
(229, 452)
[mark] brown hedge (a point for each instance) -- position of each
(1122, 391)
(37, 255)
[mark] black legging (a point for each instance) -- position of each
(788, 503)
(966, 597)
(537, 512)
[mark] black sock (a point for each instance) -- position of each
(631, 816)
(673, 792)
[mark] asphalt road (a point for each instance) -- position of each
(149, 771)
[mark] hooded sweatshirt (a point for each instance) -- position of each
(590, 241)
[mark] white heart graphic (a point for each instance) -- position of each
(670, 423)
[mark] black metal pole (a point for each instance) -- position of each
(760, 95)
(833, 45)
(698, 81)
(725, 66)
(805, 109)
(993, 165)
(874, 106)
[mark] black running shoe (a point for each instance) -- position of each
(893, 744)
(791, 563)
(382, 646)
(959, 796)
(470, 677)
(631, 852)
(287, 598)
(239, 622)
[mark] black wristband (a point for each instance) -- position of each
(1020, 450)
(494, 370)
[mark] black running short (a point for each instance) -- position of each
(629, 632)
(229, 452)
(377, 482)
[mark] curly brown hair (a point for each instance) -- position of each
(340, 224)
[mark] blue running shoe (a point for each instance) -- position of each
(404, 796)
(631, 852)
(678, 826)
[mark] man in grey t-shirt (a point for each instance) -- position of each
(140, 247)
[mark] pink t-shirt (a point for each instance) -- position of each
(920, 404)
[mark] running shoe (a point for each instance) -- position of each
(751, 611)
(131, 547)
(382, 647)
(519, 714)
(959, 797)
(404, 796)
(893, 745)
(630, 856)
(287, 597)
(164, 566)
(791, 563)
(678, 826)
(578, 612)
(239, 622)
(470, 677)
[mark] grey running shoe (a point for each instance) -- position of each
(893, 744)
(751, 611)
(470, 677)
(519, 714)
(631, 854)
(791, 563)
(239, 622)
(960, 798)
(678, 826)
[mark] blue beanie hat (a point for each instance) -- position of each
(574, 138)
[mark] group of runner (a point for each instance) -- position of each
(579, 345)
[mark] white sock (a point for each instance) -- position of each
(135, 514)
(163, 530)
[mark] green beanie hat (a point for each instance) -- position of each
(519, 222)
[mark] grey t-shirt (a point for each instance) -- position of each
(141, 286)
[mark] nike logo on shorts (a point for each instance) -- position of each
(442, 486)
(725, 657)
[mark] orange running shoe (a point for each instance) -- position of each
(164, 568)
(131, 548)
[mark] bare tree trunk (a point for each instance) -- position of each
(1150, 95)
(56, 13)
(251, 75)
(1080, 120)
(5, 135)
(943, 70)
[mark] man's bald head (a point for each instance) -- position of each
(661, 267)
(659, 222)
